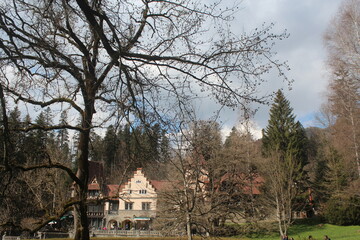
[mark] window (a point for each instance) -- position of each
(114, 205)
(128, 205)
(146, 205)
(138, 181)
(95, 208)
(94, 193)
(142, 191)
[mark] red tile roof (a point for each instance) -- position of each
(94, 186)
(114, 189)
(160, 185)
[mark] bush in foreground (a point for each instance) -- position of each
(343, 211)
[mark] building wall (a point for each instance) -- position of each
(138, 191)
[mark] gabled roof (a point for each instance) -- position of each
(113, 190)
(160, 185)
(96, 170)
(94, 184)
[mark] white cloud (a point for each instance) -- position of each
(252, 127)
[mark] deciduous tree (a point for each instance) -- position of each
(342, 42)
(137, 59)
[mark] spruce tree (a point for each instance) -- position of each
(285, 147)
(110, 146)
(276, 136)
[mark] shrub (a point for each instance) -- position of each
(227, 230)
(343, 211)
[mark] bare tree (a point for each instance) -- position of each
(209, 184)
(182, 199)
(342, 42)
(118, 59)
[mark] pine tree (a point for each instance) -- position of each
(111, 144)
(62, 139)
(285, 147)
(15, 124)
(42, 139)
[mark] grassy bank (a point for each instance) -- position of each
(317, 231)
(298, 232)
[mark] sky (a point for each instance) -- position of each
(306, 21)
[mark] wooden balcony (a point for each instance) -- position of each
(95, 214)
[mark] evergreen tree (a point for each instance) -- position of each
(29, 142)
(63, 139)
(164, 147)
(111, 144)
(232, 138)
(97, 149)
(42, 139)
(63, 133)
(17, 138)
(285, 147)
(206, 139)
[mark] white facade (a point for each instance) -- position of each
(135, 206)
(138, 190)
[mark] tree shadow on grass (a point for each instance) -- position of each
(306, 225)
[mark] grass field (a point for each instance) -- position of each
(317, 231)
(298, 232)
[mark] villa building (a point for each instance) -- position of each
(131, 205)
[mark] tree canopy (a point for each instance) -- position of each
(113, 61)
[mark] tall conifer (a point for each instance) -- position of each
(285, 147)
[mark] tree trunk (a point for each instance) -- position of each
(354, 139)
(81, 223)
(188, 226)
(279, 217)
(80, 219)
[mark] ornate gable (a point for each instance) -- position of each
(139, 184)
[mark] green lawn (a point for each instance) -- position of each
(298, 232)
(302, 231)
(318, 232)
